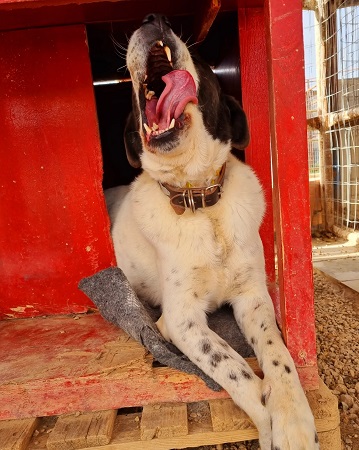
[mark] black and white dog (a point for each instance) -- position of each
(189, 246)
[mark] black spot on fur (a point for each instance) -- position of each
(174, 270)
(257, 306)
(190, 324)
(232, 376)
(253, 340)
(263, 400)
(195, 294)
(269, 342)
(262, 325)
(216, 358)
(178, 283)
(206, 347)
(316, 440)
(226, 356)
(246, 375)
(143, 285)
(275, 363)
(265, 328)
(275, 448)
(287, 369)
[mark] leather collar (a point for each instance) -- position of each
(194, 197)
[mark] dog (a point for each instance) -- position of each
(186, 236)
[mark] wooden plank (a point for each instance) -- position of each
(60, 365)
(127, 435)
(291, 180)
(82, 430)
(16, 434)
(164, 420)
(223, 423)
(227, 416)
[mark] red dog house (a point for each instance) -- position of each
(54, 229)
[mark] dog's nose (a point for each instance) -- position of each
(158, 20)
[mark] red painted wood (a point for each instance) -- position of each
(290, 170)
(15, 14)
(256, 105)
(54, 228)
(57, 365)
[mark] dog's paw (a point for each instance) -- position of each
(291, 418)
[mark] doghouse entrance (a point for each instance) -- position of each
(112, 86)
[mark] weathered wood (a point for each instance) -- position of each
(16, 434)
(82, 430)
(226, 416)
(209, 423)
(164, 420)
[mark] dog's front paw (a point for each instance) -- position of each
(291, 418)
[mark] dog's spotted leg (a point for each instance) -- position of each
(291, 418)
(188, 330)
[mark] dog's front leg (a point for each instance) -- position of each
(184, 323)
(291, 418)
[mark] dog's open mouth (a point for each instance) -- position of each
(167, 92)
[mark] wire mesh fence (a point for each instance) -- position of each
(331, 43)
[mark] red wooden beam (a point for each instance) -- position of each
(54, 228)
(256, 105)
(291, 181)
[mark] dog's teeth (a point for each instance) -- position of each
(168, 53)
(147, 128)
(160, 43)
(155, 127)
(149, 94)
(172, 124)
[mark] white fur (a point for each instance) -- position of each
(193, 263)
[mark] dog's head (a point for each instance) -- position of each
(176, 97)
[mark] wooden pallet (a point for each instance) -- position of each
(160, 426)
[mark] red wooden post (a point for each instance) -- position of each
(291, 182)
(256, 105)
(54, 227)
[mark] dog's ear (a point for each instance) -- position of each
(239, 125)
(133, 143)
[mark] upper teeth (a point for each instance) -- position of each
(168, 53)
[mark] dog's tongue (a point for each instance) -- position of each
(180, 89)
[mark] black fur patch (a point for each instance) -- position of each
(232, 376)
(287, 368)
(275, 363)
(216, 358)
(246, 375)
(206, 346)
(263, 400)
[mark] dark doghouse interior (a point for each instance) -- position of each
(107, 44)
